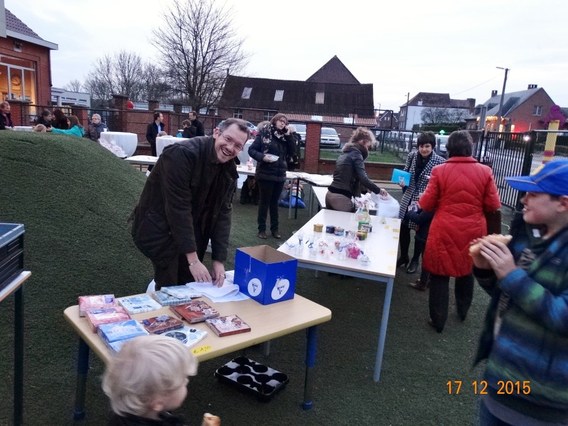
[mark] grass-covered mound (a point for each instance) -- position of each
(74, 198)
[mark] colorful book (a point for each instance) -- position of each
(95, 302)
(161, 324)
(139, 303)
(181, 291)
(187, 335)
(97, 317)
(227, 325)
(195, 311)
(117, 333)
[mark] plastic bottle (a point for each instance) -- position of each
(179, 134)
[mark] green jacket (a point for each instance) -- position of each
(73, 131)
(532, 343)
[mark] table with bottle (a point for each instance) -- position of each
(331, 242)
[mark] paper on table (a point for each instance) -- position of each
(211, 290)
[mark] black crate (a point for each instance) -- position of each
(11, 252)
(252, 377)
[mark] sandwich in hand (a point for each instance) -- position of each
(475, 248)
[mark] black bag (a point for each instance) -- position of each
(493, 220)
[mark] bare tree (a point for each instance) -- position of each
(74, 86)
(199, 48)
(122, 74)
(433, 115)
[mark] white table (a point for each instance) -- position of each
(381, 246)
(23, 128)
(163, 141)
(127, 141)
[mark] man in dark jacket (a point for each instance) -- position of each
(187, 201)
(96, 126)
(198, 124)
(155, 129)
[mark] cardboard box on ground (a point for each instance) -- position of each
(265, 274)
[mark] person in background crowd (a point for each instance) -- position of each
(39, 128)
(198, 124)
(45, 118)
(419, 164)
(95, 127)
(460, 192)
(59, 119)
(187, 201)
(74, 128)
(189, 131)
(155, 129)
(350, 174)
(525, 336)
(5, 116)
(271, 147)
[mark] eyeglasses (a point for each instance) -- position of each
(283, 120)
(237, 145)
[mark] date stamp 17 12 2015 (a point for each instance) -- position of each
(480, 387)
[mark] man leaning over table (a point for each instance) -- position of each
(186, 201)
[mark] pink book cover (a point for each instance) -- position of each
(195, 311)
(96, 317)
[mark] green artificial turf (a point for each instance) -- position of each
(74, 198)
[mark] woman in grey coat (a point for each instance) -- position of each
(350, 172)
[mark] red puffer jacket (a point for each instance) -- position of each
(459, 192)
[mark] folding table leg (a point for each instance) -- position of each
(82, 372)
(311, 349)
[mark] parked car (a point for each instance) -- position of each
(329, 137)
(441, 141)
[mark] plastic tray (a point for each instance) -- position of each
(252, 377)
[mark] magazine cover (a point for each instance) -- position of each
(96, 317)
(161, 324)
(187, 335)
(139, 303)
(195, 311)
(95, 302)
(166, 299)
(181, 291)
(115, 334)
(228, 325)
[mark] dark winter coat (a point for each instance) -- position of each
(267, 143)
(350, 172)
(5, 121)
(152, 132)
(460, 191)
(93, 131)
(186, 201)
(417, 183)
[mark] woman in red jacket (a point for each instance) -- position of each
(461, 191)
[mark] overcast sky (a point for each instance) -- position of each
(400, 46)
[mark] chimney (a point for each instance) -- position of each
(532, 86)
(493, 93)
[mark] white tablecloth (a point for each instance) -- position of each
(127, 141)
(23, 128)
(163, 141)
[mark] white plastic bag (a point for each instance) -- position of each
(387, 206)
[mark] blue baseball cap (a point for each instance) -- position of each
(552, 178)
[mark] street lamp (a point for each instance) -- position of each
(502, 94)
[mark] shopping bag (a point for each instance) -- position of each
(387, 205)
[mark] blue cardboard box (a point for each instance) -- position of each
(265, 274)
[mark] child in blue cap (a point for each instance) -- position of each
(525, 338)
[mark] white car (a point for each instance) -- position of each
(329, 137)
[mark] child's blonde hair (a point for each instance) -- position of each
(146, 367)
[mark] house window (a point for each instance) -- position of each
(246, 93)
(238, 113)
(320, 97)
(537, 110)
(278, 95)
(268, 115)
(17, 79)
